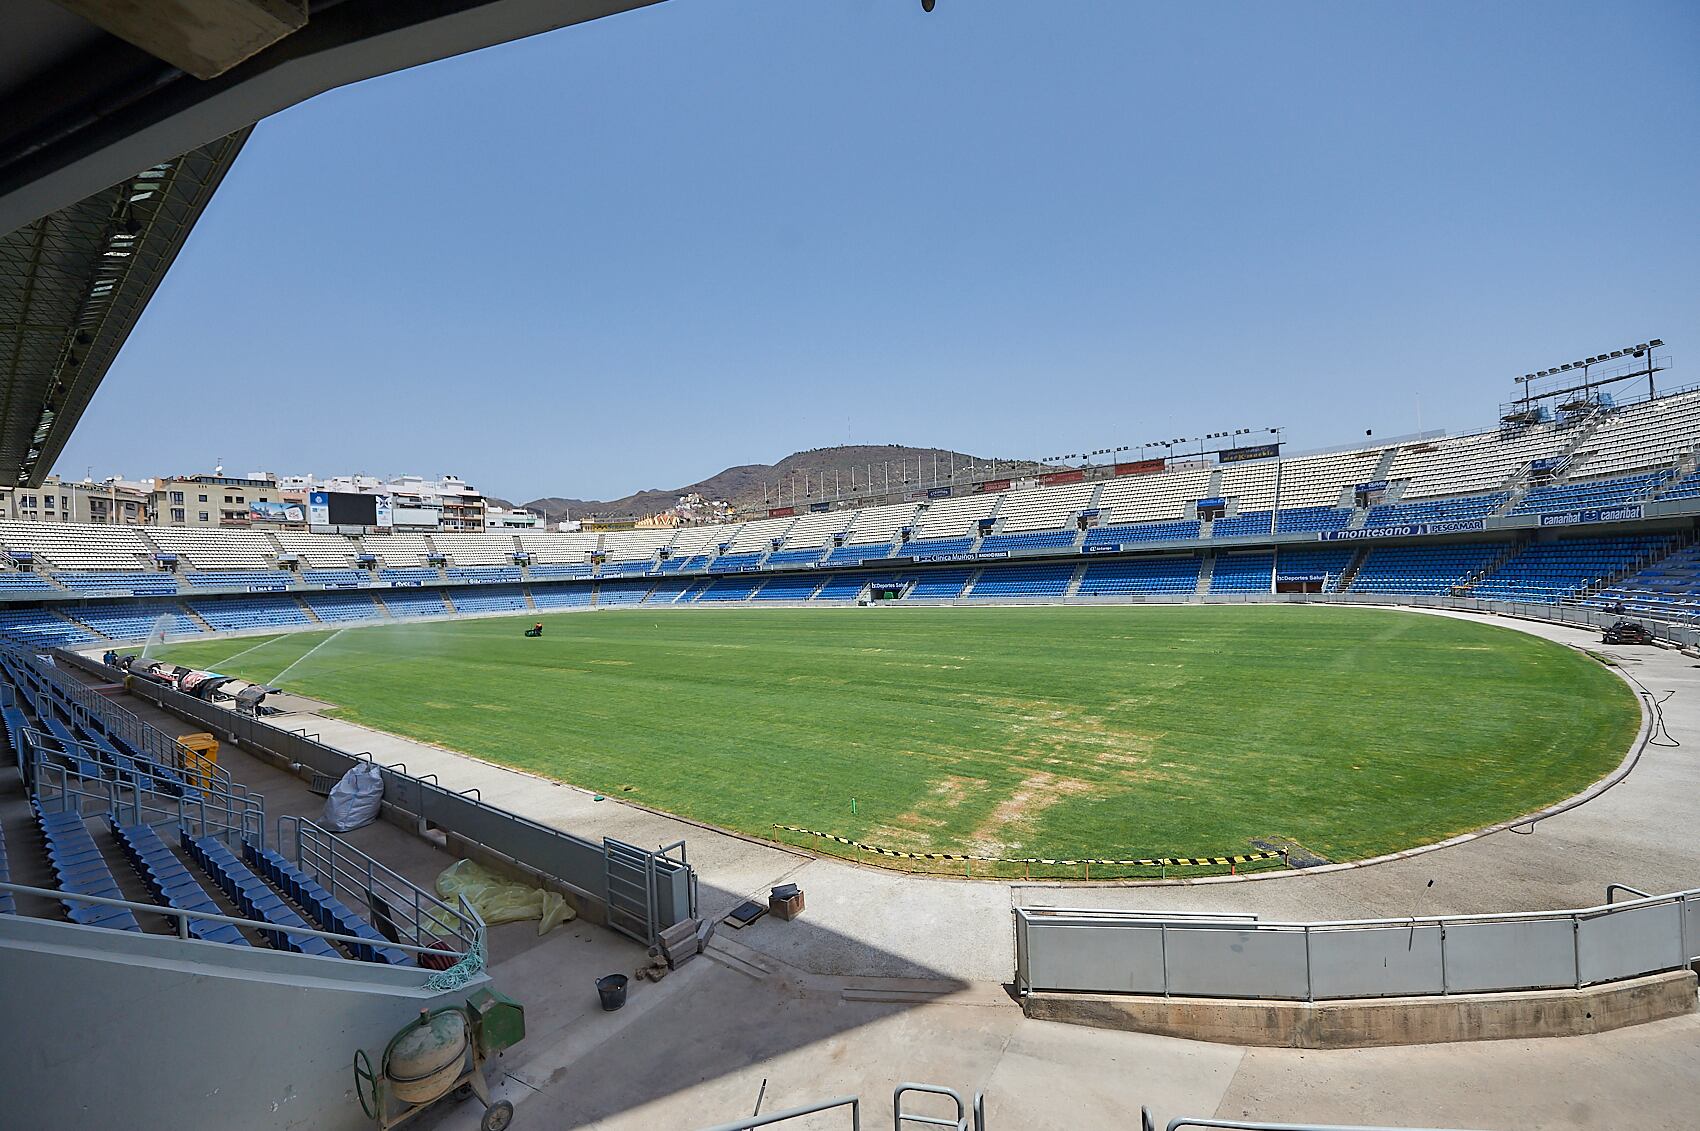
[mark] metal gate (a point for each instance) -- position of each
(631, 879)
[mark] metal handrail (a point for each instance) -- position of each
(1612, 889)
(342, 867)
(899, 1117)
(1246, 1125)
(183, 916)
(111, 717)
(216, 813)
(854, 1103)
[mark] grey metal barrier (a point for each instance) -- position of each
(62, 788)
(578, 863)
(1180, 1121)
(1145, 953)
(183, 918)
(94, 710)
(852, 1102)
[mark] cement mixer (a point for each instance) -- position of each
(441, 1054)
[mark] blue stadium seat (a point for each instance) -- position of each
(1599, 493)
(1242, 573)
(338, 606)
(1022, 581)
(1561, 569)
(1432, 569)
(1167, 575)
(1101, 537)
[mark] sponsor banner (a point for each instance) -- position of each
(991, 485)
(262, 511)
(1407, 530)
(938, 492)
(1104, 548)
(1256, 451)
(1371, 488)
(781, 512)
(406, 584)
(273, 587)
(1301, 577)
(319, 508)
(1205, 504)
(819, 507)
(957, 557)
(1056, 477)
(993, 554)
(1141, 467)
(1592, 514)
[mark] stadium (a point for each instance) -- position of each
(1123, 781)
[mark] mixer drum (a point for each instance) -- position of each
(426, 1058)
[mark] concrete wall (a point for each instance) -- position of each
(154, 1033)
(1370, 1022)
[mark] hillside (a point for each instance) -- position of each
(742, 485)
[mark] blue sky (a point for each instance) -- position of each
(710, 232)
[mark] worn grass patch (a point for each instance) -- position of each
(1056, 732)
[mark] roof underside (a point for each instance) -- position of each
(72, 286)
(91, 90)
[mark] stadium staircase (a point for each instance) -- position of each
(1350, 573)
(1489, 570)
(1073, 589)
(450, 602)
(1684, 466)
(79, 625)
(973, 580)
(530, 601)
(1206, 570)
(307, 611)
(1213, 489)
(1383, 466)
(378, 600)
(200, 622)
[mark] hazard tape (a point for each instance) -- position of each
(1162, 862)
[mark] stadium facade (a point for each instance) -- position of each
(1590, 513)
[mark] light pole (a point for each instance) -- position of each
(1274, 515)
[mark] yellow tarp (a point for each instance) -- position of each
(502, 901)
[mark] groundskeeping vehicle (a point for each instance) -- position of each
(1627, 632)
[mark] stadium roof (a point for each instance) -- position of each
(73, 284)
(91, 91)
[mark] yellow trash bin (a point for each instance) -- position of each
(204, 748)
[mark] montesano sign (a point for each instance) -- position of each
(1141, 467)
(781, 512)
(1056, 477)
(1404, 530)
(992, 485)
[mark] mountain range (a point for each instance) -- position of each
(743, 485)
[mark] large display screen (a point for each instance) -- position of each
(353, 510)
(346, 508)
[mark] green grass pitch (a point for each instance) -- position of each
(1006, 732)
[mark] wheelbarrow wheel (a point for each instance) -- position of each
(497, 1117)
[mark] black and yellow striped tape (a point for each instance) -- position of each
(1163, 862)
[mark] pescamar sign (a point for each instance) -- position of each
(1403, 530)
